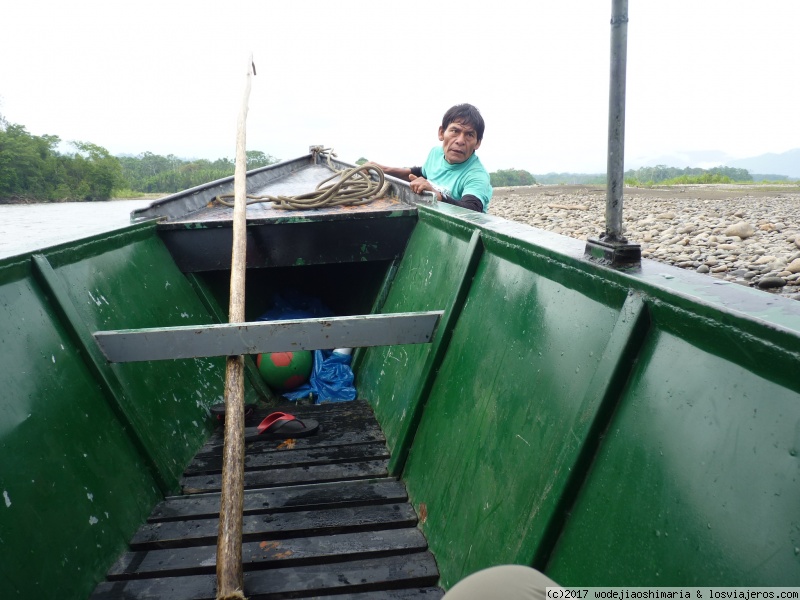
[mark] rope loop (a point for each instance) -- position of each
(348, 187)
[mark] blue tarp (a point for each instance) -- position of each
(331, 377)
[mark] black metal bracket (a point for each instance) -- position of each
(617, 253)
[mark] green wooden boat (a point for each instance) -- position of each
(633, 427)
(520, 400)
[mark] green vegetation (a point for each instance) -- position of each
(510, 177)
(33, 168)
(645, 177)
(572, 179)
(150, 173)
(663, 175)
(771, 178)
(129, 193)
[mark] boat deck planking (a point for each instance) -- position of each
(301, 179)
(322, 518)
(265, 212)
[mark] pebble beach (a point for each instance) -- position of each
(742, 234)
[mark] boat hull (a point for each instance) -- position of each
(612, 428)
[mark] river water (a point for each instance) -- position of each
(29, 227)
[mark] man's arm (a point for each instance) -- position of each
(420, 185)
(400, 172)
(468, 201)
(477, 189)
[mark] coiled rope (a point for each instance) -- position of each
(350, 187)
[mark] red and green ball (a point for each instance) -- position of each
(285, 370)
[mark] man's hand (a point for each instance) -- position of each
(420, 185)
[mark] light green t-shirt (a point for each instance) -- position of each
(460, 179)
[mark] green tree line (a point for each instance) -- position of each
(511, 177)
(572, 178)
(149, 173)
(33, 168)
(644, 176)
(662, 174)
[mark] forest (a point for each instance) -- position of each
(36, 168)
(151, 173)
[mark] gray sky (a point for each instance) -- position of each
(374, 78)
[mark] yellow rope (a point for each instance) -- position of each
(353, 187)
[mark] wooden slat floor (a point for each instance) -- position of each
(322, 518)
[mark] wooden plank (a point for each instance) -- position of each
(268, 553)
(282, 499)
(357, 407)
(334, 415)
(341, 423)
(330, 421)
(409, 570)
(316, 474)
(231, 339)
(212, 463)
(417, 569)
(326, 437)
(427, 593)
(201, 532)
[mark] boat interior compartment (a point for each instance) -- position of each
(343, 288)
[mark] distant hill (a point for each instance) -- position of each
(702, 159)
(786, 163)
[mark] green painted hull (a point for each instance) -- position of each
(611, 428)
(89, 447)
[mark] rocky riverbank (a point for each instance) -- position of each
(745, 234)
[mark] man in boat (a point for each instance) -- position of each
(453, 172)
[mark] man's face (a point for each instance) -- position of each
(459, 142)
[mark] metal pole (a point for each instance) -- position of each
(616, 121)
(612, 248)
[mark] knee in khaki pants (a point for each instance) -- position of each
(504, 582)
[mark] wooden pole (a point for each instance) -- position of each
(230, 581)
